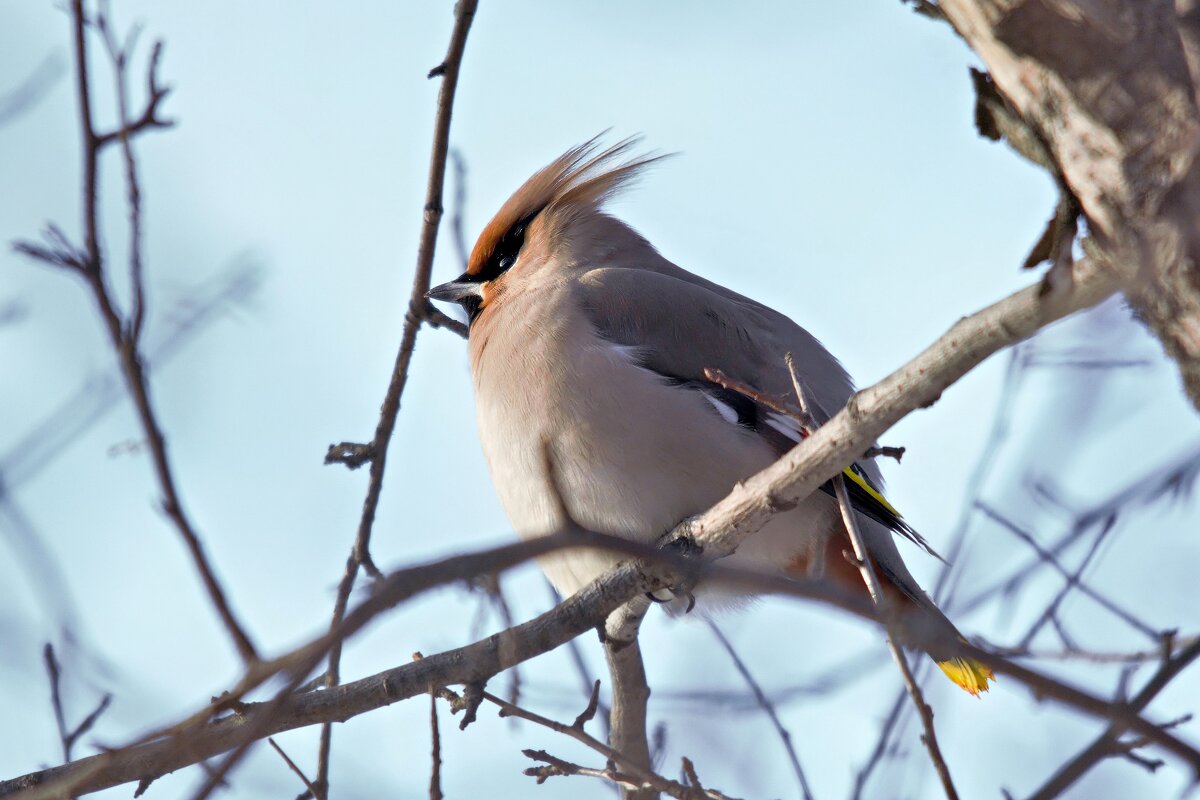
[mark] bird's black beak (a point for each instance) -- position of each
(466, 290)
(457, 291)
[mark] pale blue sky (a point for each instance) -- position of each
(828, 166)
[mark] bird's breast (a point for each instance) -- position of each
(570, 420)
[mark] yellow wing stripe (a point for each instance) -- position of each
(869, 489)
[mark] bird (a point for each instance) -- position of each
(593, 360)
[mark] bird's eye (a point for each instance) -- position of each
(505, 254)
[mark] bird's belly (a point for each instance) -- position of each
(629, 455)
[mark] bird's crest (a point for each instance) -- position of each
(584, 176)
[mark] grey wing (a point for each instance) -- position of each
(684, 324)
(679, 325)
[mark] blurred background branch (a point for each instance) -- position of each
(124, 332)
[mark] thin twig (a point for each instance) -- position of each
(472, 699)
(1049, 558)
(642, 777)
(312, 790)
(90, 263)
(881, 744)
(886, 451)
(52, 671)
(360, 556)
(68, 738)
(914, 690)
(585, 676)
(776, 404)
(867, 569)
(119, 56)
(768, 708)
(90, 147)
(558, 766)
(435, 318)
(1092, 656)
(86, 724)
(589, 711)
(689, 772)
(1107, 743)
(149, 119)
(806, 417)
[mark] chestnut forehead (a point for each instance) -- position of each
(583, 177)
(498, 246)
(486, 244)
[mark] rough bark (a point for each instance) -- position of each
(1109, 87)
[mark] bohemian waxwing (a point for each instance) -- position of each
(588, 352)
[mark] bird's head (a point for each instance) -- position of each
(539, 219)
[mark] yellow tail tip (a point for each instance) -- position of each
(970, 675)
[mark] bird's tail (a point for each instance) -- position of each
(971, 675)
(923, 621)
(919, 619)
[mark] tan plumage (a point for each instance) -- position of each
(586, 342)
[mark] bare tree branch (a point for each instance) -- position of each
(768, 708)
(1072, 579)
(123, 333)
(631, 778)
(1107, 744)
(418, 307)
(644, 777)
(867, 569)
(477, 662)
(914, 690)
(312, 790)
(228, 723)
(68, 736)
(119, 56)
(871, 411)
